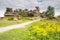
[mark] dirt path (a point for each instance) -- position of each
(3, 29)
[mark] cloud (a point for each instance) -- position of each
(30, 4)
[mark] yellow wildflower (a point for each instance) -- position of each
(44, 33)
(58, 28)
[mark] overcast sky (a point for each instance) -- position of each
(29, 4)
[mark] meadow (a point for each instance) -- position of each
(41, 30)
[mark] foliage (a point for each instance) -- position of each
(9, 10)
(45, 30)
(22, 13)
(10, 18)
(58, 17)
(50, 12)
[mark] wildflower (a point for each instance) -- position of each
(44, 33)
(58, 28)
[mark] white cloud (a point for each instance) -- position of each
(30, 4)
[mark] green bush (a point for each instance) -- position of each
(26, 18)
(10, 19)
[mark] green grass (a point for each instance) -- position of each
(4, 23)
(16, 34)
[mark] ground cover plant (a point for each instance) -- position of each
(45, 30)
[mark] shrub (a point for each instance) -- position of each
(26, 18)
(10, 19)
(58, 17)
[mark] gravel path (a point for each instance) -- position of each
(3, 29)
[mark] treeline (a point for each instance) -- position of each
(49, 13)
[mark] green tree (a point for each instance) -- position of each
(9, 10)
(23, 13)
(50, 12)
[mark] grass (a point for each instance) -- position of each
(4, 23)
(23, 33)
(16, 34)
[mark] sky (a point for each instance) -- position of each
(29, 4)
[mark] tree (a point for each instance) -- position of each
(50, 12)
(37, 8)
(23, 13)
(9, 10)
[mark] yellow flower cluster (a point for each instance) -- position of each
(39, 31)
(43, 28)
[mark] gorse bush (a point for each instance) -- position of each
(45, 30)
